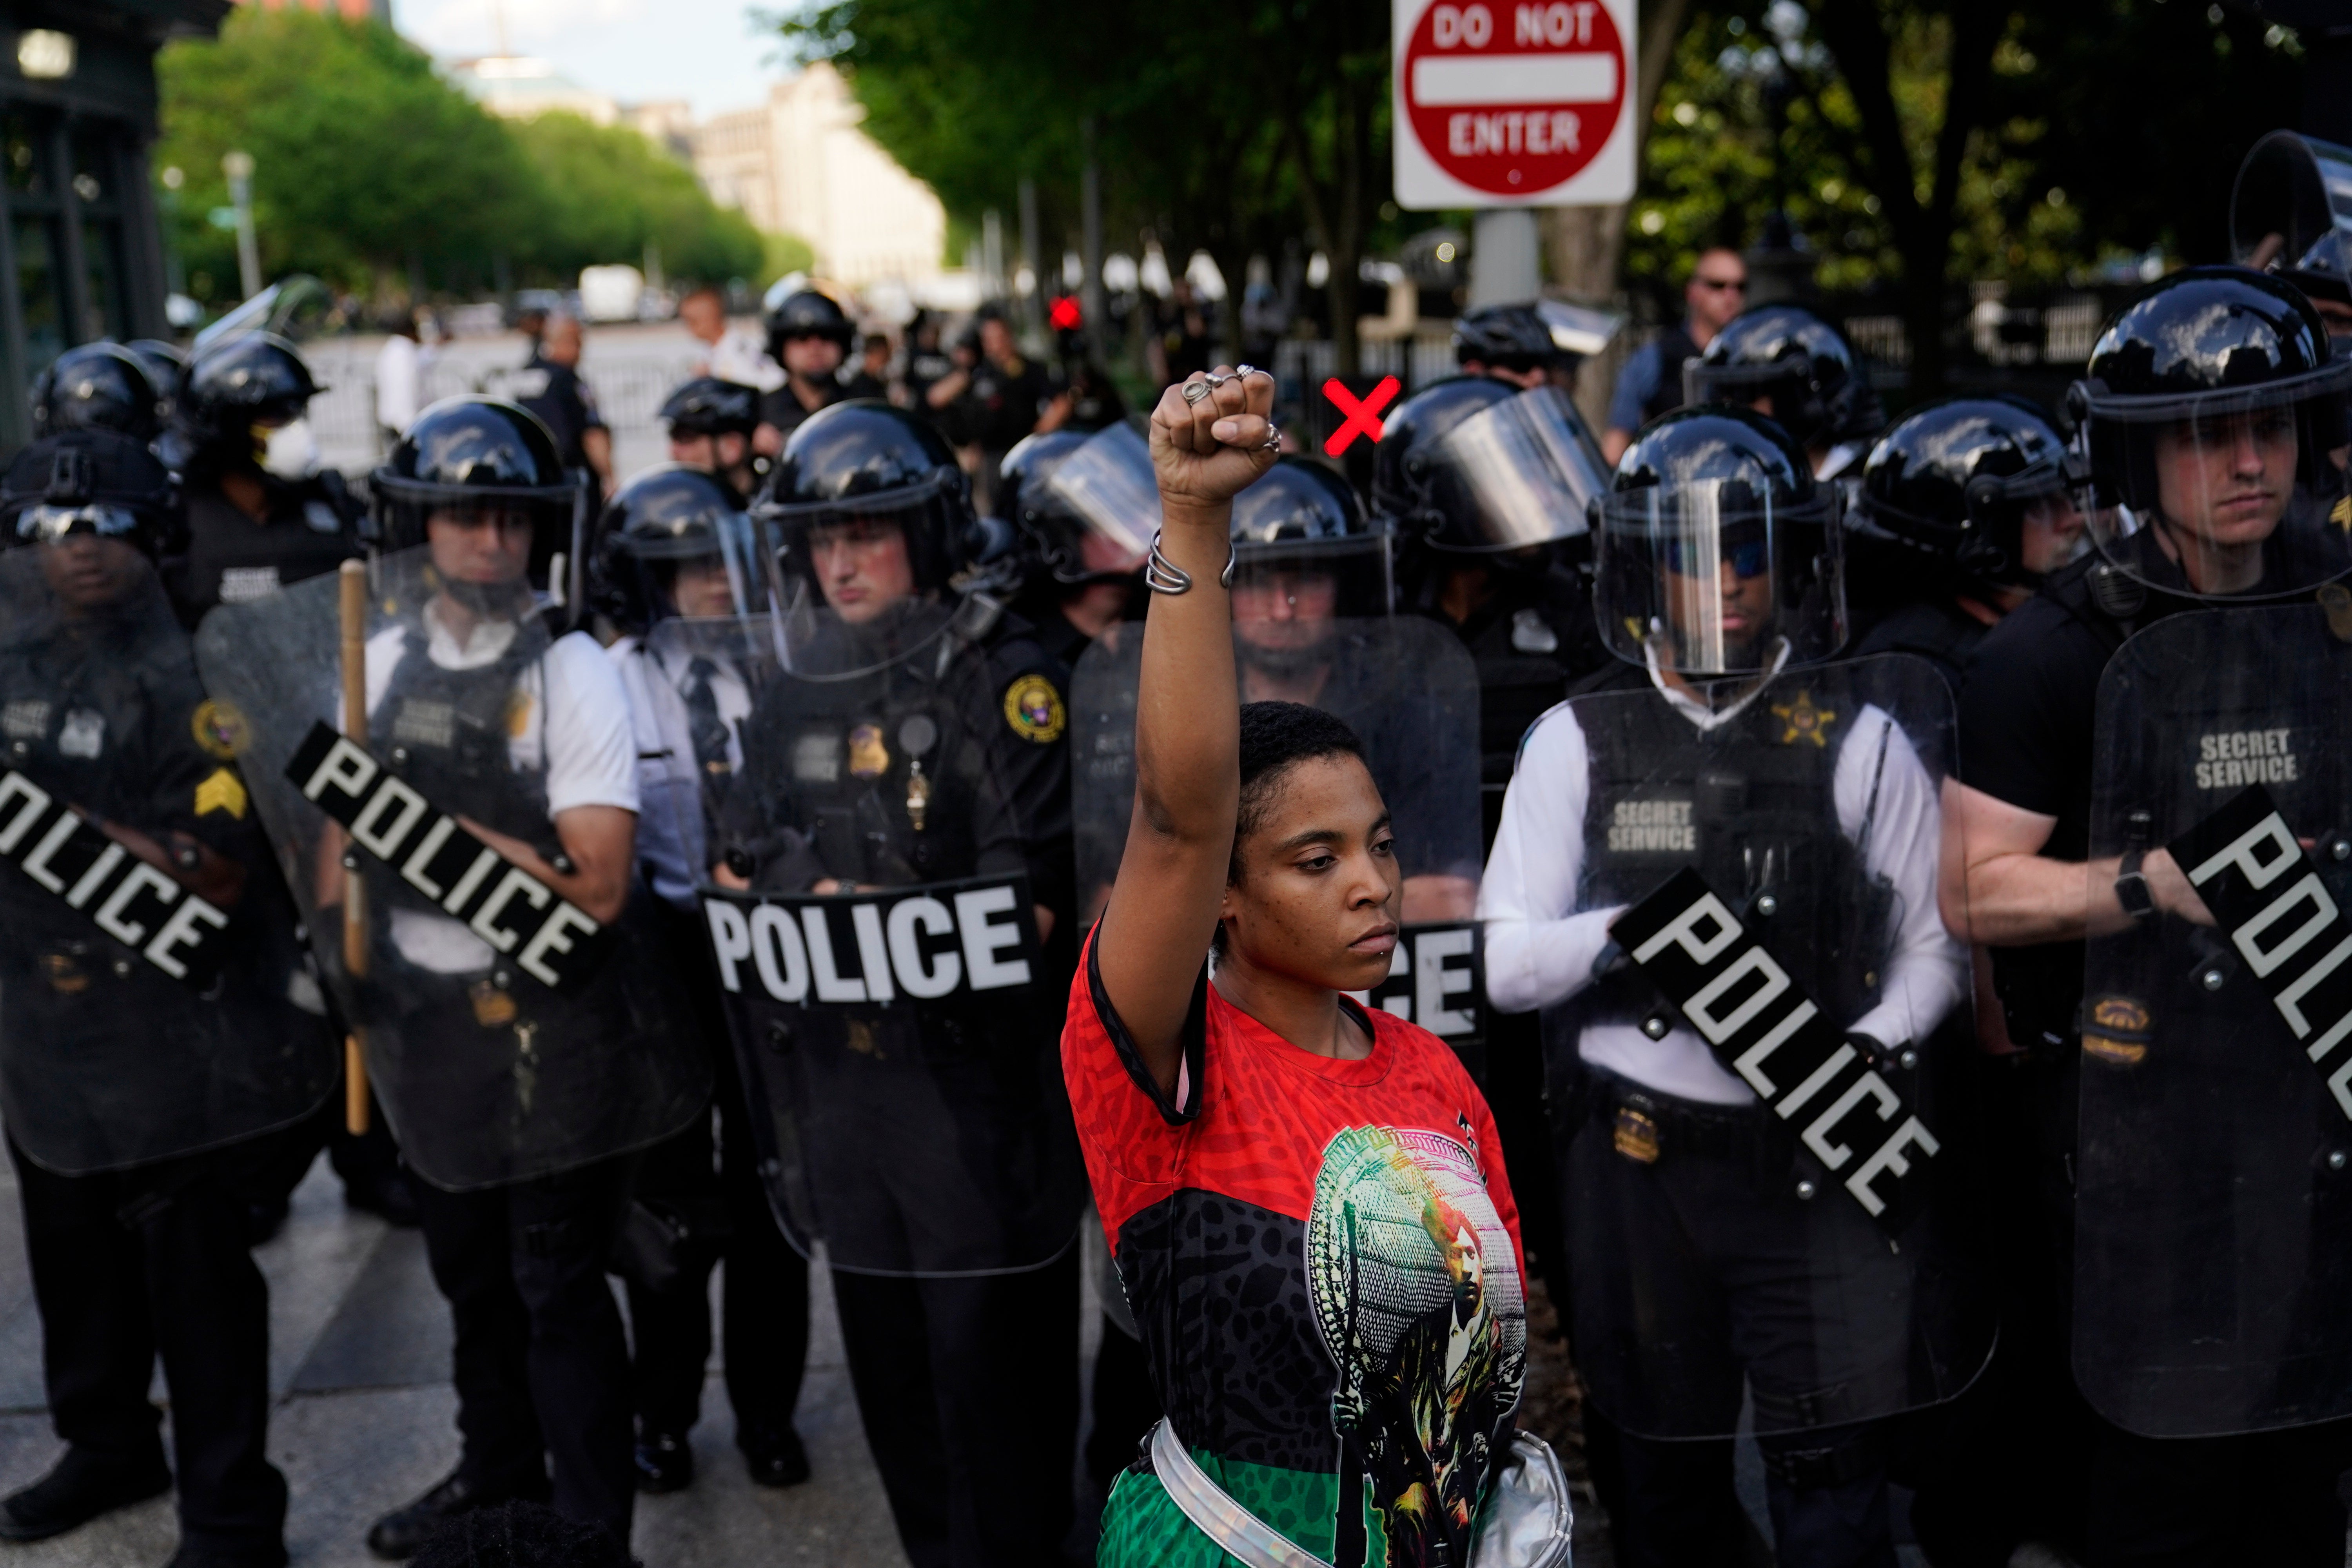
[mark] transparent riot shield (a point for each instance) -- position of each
(508, 1032)
(1409, 691)
(2213, 1208)
(1755, 1096)
(155, 1000)
(872, 911)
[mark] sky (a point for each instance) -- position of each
(706, 51)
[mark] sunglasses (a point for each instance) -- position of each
(1749, 558)
(1723, 285)
(49, 524)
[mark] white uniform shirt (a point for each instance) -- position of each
(399, 383)
(740, 356)
(672, 835)
(575, 729)
(1541, 947)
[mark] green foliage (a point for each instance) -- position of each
(610, 193)
(367, 163)
(781, 254)
(2105, 127)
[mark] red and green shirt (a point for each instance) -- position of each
(1323, 1257)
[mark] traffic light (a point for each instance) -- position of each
(1064, 314)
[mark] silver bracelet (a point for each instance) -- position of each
(1162, 576)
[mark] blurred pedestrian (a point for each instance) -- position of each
(926, 360)
(999, 400)
(399, 377)
(1652, 381)
(1183, 344)
(732, 353)
(549, 387)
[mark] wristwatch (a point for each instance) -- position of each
(2131, 887)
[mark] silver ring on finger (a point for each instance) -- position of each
(1272, 442)
(1243, 373)
(1196, 390)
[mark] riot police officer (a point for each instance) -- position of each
(1540, 343)
(520, 1028)
(97, 386)
(1726, 805)
(1799, 371)
(675, 542)
(2290, 215)
(809, 335)
(261, 514)
(157, 1018)
(2183, 672)
(1973, 489)
(712, 424)
(912, 739)
(1083, 564)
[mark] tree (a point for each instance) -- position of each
(610, 194)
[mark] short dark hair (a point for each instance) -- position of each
(521, 1535)
(1275, 738)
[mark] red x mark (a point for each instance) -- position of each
(1363, 417)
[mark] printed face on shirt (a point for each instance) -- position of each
(862, 566)
(1315, 884)
(483, 543)
(88, 572)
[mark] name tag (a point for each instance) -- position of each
(2266, 893)
(549, 938)
(936, 941)
(1437, 978)
(122, 895)
(1760, 1026)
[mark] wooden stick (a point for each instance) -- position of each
(355, 942)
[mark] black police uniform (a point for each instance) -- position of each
(153, 1258)
(564, 402)
(232, 559)
(967, 1386)
(783, 408)
(2026, 732)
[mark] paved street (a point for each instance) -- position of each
(360, 1365)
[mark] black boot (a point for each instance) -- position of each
(664, 1464)
(775, 1456)
(400, 1532)
(77, 1489)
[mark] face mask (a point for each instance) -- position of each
(290, 451)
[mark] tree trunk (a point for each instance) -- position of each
(1585, 245)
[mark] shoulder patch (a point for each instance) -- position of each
(1034, 710)
(221, 791)
(220, 729)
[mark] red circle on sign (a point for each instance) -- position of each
(1514, 96)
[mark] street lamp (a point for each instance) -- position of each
(238, 167)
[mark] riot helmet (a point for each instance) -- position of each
(1503, 337)
(471, 466)
(241, 403)
(707, 405)
(1085, 505)
(164, 361)
(1470, 467)
(97, 386)
(2291, 213)
(1717, 552)
(87, 482)
(862, 465)
(807, 314)
(1817, 387)
(1964, 481)
(1305, 557)
(2210, 438)
(675, 542)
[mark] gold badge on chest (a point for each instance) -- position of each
(869, 757)
(1804, 720)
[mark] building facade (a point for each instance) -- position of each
(81, 245)
(799, 164)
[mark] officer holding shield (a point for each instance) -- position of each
(1746, 1150)
(2165, 715)
(912, 738)
(157, 1015)
(675, 542)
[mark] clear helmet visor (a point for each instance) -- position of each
(2226, 495)
(1108, 484)
(1290, 601)
(1520, 473)
(2291, 210)
(1717, 577)
(848, 584)
(716, 572)
(47, 524)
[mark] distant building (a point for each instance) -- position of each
(799, 165)
(79, 239)
(519, 87)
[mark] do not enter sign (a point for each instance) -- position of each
(1513, 102)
